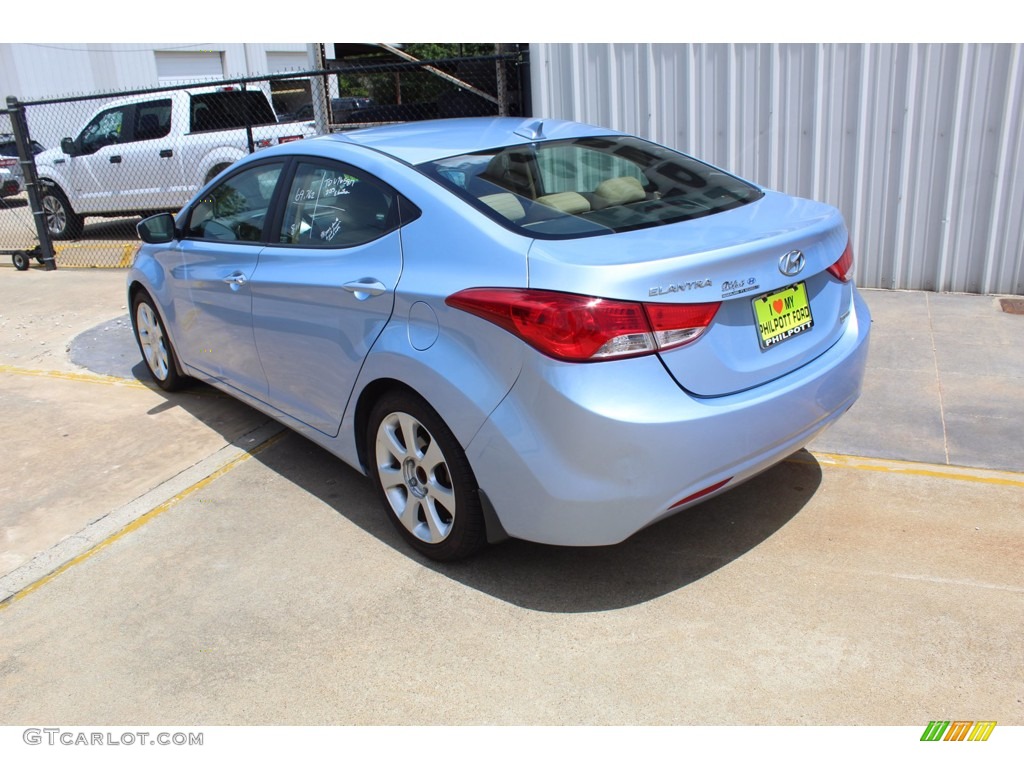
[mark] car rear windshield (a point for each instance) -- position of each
(225, 110)
(589, 186)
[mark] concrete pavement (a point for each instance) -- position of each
(945, 383)
(161, 570)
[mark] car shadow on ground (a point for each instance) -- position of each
(658, 560)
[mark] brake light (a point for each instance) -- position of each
(577, 328)
(287, 139)
(7, 162)
(842, 268)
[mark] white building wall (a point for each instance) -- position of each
(920, 145)
(41, 71)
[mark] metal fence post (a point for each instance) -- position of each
(19, 126)
(502, 84)
(248, 126)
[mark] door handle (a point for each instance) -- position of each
(115, 158)
(365, 287)
(236, 279)
(166, 153)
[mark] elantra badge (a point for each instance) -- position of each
(790, 264)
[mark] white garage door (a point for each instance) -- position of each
(189, 66)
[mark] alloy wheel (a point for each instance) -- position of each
(152, 342)
(415, 477)
(55, 214)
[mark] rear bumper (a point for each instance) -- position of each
(587, 455)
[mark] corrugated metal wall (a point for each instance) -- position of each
(920, 145)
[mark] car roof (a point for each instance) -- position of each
(423, 141)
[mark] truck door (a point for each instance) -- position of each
(95, 171)
(149, 173)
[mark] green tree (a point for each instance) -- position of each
(414, 86)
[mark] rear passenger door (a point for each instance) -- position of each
(325, 286)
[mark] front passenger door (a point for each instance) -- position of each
(221, 248)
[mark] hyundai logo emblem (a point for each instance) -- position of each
(791, 263)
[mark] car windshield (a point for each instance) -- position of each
(589, 186)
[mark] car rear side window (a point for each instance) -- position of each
(330, 205)
(589, 186)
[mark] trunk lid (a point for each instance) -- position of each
(736, 257)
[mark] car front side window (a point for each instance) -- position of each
(235, 209)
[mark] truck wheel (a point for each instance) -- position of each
(61, 221)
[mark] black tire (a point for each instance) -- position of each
(424, 479)
(21, 261)
(61, 220)
(154, 344)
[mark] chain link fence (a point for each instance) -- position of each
(77, 173)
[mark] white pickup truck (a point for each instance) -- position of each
(152, 153)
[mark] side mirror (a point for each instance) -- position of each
(157, 229)
(69, 147)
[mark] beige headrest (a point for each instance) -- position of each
(570, 202)
(619, 191)
(506, 204)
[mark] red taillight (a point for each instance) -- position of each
(678, 324)
(577, 328)
(698, 494)
(288, 139)
(7, 162)
(842, 268)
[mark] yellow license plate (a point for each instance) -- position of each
(782, 315)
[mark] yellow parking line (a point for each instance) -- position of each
(141, 520)
(95, 255)
(126, 255)
(92, 378)
(897, 467)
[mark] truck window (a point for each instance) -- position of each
(225, 110)
(152, 120)
(104, 129)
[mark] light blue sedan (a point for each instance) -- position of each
(515, 327)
